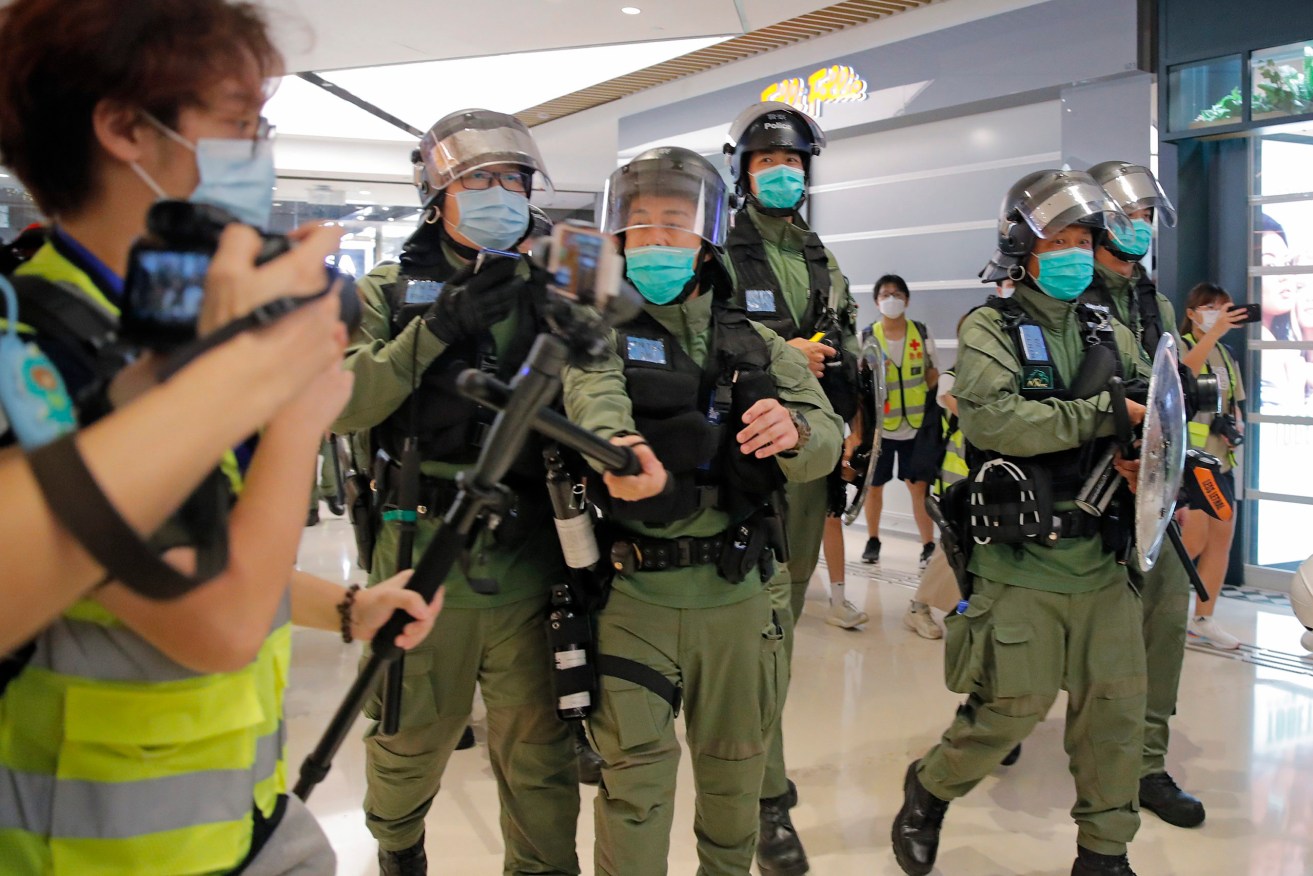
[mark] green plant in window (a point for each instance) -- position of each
(1288, 90)
(1229, 107)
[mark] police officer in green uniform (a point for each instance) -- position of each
(720, 411)
(1123, 284)
(458, 299)
(1050, 606)
(789, 282)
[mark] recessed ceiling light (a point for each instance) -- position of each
(366, 193)
(630, 10)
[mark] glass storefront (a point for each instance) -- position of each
(1280, 439)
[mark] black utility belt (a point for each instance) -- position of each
(1076, 524)
(640, 554)
(433, 497)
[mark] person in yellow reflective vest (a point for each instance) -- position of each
(141, 737)
(910, 376)
(1208, 316)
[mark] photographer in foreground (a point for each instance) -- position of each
(145, 736)
(211, 405)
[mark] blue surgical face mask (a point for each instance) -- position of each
(237, 175)
(492, 218)
(660, 273)
(1065, 273)
(781, 187)
(1141, 237)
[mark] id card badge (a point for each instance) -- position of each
(35, 401)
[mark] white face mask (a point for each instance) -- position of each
(892, 307)
(1006, 290)
(1207, 319)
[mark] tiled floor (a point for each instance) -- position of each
(865, 703)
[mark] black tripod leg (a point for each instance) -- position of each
(1174, 535)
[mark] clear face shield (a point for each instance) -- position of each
(667, 195)
(474, 140)
(1135, 188)
(1054, 202)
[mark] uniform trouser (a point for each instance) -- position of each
(1025, 645)
(726, 667)
(788, 589)
(1165, 590)
(505, 650)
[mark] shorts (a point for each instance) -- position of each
(889, 452)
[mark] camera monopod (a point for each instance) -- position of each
(523, 408)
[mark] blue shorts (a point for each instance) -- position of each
(901, 451)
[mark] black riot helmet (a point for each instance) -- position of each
(470, 139)
(1039, 205)
(669, 171)
(771, 125)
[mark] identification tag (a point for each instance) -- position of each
(760, 301)
(423, 291)
(1033, 346)
(649, 350)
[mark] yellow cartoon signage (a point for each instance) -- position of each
(838, 83)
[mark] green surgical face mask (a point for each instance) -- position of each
(1141, 237)
(660, 273)
(1065, 273)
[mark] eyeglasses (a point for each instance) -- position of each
(510, 180)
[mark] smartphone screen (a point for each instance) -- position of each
(579, 256)
(166, 287)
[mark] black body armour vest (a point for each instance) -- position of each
(758, 291)
(690, 415)
(1146, 318)
(449, 426)
(1040, 379)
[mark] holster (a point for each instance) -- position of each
(747, 546)
(949, 513)
(363, 516)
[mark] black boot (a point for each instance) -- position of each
(1161, 796)
(916, 828)
(779, 851)
(589, 761)
(1013, 756)
(1093, 864)
(407, 862)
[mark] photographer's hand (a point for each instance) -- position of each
(473, 302)
(375, 606)
(234, 285)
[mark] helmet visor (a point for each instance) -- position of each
(1061, 199)
(786, 140)
(475, 140)
(1135, 188)
(667, 193)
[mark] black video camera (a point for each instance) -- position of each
(1225, 425)
(166, 276)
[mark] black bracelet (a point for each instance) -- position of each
(344, 612)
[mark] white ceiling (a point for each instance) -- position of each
(337, 34)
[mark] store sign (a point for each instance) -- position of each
(835, 84)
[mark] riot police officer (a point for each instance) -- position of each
(789, 282)
(720, 411)
(459, 298)
(1049, 604)
(1122, 283)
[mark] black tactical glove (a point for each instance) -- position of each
(472, 302)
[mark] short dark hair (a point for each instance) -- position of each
(1266, 223)
(892, 280)
(62, 57)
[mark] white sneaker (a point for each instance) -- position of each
(1206, 631)
(846, 615)
(921, 622)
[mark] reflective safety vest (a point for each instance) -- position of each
(1199, 427)
(114, 759)
(954, 467)
(905, 380)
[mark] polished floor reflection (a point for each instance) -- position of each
(863, 704)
